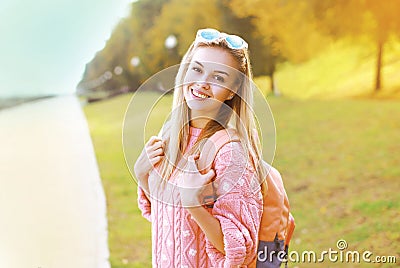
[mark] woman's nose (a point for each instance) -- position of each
(206, 81)
(204, 84)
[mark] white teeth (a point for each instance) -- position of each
(198, 94)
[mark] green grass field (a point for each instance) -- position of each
(339, 159)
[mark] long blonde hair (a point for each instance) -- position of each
(240, 116)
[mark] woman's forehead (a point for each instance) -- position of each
(216, 57)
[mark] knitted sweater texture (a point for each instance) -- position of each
(177, 240)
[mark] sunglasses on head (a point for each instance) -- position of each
(209, 35)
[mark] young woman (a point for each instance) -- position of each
(212, 93)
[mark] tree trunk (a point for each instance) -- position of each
(274, 87)
(272, 84)
(378, 66)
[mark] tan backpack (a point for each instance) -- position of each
(277, 223)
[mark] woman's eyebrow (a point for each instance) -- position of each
(216, 71)
(199, 63)
(221, 72)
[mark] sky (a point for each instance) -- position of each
(45, 44)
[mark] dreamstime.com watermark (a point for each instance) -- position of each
(341, 255)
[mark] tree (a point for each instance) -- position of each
(137, 44)
(106, 73)
(124, 43)
(144, 14)
(180, 18)
(375, 19)
(297, 29)
(263, 59)
(287, 28)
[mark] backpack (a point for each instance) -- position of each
(277, 223)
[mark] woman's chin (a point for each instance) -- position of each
(194, 105)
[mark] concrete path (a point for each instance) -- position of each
(52, 204)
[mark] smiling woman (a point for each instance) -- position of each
(46, 44)
(207, 85)
(212, 93)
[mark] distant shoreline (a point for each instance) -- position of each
(6, 103)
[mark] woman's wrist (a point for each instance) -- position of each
(143, 181)
(190, 201)
(210, 226)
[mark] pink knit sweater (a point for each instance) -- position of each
(177, 240)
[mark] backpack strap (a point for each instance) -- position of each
(208, 153)
(212, 146)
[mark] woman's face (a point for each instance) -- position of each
(212, 78)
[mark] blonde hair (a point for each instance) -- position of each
(239, 115)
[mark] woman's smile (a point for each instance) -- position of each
(198, 94)
(210, 80)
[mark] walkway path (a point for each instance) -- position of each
(52, 204)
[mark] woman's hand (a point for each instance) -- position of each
(192, 183)
(152, 153)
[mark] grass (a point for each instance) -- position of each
(129, 233)
(341, 171)
(339, 160)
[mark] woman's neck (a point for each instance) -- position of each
(199, 122)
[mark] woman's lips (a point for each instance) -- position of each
(197, 94)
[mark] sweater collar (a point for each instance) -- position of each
(194, 131)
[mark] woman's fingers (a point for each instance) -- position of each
(157, 143)
(206, 178)
(209, 175)
(152, 140)
(155, 160)
(191, 164)
(155, 146)
(151, 154)
(193, 170)
(154, 153)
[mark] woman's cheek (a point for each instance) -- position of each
(189, 77)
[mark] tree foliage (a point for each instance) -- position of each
(125, 42)
(142, 36)
(289, 27)
(297, 29)
(375, 20)
(180, 18)
(276, 30)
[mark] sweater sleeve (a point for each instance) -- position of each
(144, 204)
(238, 208)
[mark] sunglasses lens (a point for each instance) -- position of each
(235, 41)
(209, 34)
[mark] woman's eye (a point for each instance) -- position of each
(219, 78)
(196, 69)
